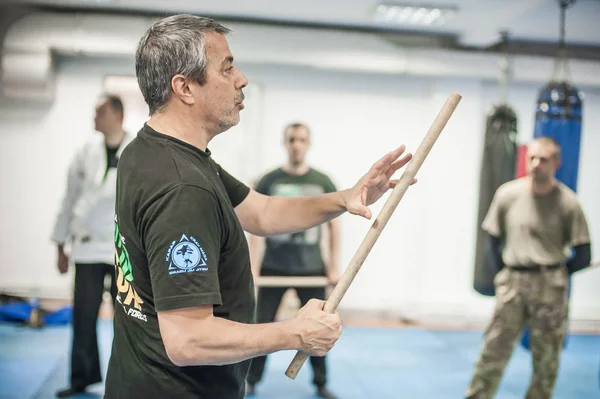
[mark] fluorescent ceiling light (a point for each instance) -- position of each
(413, 15)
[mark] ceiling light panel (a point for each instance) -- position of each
(413, 15)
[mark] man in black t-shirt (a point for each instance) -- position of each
(184, 323)
(298, 253)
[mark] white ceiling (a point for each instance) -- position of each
(476, 23)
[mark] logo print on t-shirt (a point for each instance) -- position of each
(186, 256)
(127, 295)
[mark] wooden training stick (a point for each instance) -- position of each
(292, 281)
(383, 217)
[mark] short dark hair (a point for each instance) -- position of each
(547, 140)
(115, 103)
(295, 125)
(173, 45)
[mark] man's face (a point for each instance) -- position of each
(106, 119)
(222, 97)
(296, 141)
(542, 161)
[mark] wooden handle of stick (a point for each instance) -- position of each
(292, 281)
(386, 212)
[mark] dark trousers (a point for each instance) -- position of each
(89, 287)
(267, 305)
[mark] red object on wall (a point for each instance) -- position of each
(521, 160)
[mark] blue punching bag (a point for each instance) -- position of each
(559, 114)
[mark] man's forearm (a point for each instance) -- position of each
(334, 247)
(218, 341)
(292, 214)
(255, 260)
(582, 256)
(333, 266)
(495, 253)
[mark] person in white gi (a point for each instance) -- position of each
(85, 222)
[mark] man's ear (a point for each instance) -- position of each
(182, 90)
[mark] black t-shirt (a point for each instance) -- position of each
(295, 254)
(111, 158)
(178, 244)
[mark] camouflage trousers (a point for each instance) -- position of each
(538, 300)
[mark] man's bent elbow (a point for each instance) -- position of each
(186, 354)
(177, 354)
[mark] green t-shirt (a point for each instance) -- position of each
(538, 230)
(296, 254)
(178, 244)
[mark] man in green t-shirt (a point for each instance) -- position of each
(294, 254)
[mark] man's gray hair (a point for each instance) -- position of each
(173, 45)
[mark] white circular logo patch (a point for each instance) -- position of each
(186, 255)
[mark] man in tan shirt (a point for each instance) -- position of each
(534, 223)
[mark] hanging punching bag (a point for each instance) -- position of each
(497, 167)
(558, 116)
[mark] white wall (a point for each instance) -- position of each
(421, 265)
(37, 146)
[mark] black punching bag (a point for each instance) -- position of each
(498, 166)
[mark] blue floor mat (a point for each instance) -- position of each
(372, 363)
(23, 378)
(28, 357)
